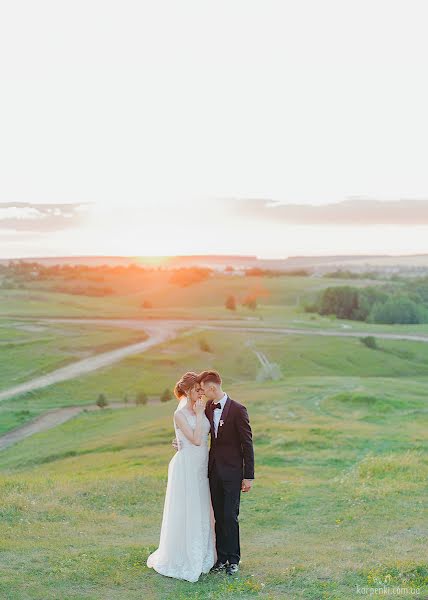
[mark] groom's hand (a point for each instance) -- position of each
(176, 444)
(246, 485)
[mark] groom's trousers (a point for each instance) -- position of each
(225, 498)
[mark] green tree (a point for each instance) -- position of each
(419, 289)
(367, 297)
(166, 395)
(398, 309)
(341, 301)
(102, 401)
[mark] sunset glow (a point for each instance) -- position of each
(164, 113)
(164, 230)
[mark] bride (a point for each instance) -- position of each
(187, 545)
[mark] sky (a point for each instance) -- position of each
(269, 128)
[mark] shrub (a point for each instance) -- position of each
(166, 395)
(369, 341)
(141, 398)
(230, 303)
(250, 302)
(102, 401)
(204, 345)
(310, 307)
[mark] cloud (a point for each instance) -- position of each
(41, 218)
(354, 211)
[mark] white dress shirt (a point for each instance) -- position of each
(218, 412)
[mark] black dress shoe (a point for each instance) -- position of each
(219, 566)
(232, 569)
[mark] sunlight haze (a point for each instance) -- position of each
(153, 115)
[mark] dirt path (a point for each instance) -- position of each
(47, 420)
(159, 331)
(237, 325)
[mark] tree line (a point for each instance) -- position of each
(376, 304)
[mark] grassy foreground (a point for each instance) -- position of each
(339, 500)
(341, 468)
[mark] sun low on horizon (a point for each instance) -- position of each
(197, 128)
(213, 299)
(211, 227)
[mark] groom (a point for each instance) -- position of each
(230, 467)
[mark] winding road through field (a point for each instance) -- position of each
(158, 331)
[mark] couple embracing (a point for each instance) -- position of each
(204, 484)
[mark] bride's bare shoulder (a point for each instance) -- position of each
(182, 416)
(179, 415)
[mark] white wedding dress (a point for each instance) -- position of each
(187, 543)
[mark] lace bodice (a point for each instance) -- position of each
(191, 419)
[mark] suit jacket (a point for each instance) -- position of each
(232, 449)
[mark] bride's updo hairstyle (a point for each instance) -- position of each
(185, 384)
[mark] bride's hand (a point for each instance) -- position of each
(199, 407)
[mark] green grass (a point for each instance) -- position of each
(232, 354)
(338, 500)
(204, 300)
(30, 349)
(280, 301)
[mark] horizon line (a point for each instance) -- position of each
(232, 256)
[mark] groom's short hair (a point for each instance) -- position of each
(211, 376)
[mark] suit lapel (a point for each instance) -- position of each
(223, 417)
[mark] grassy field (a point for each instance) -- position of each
(204, 299)
(161, 292)
(280, 302)
(233, 354)
(339, 499)
(29, 349)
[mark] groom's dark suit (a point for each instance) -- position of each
(231, 459)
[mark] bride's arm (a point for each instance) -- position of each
(194, 436)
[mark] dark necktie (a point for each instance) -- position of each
(218, 405)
